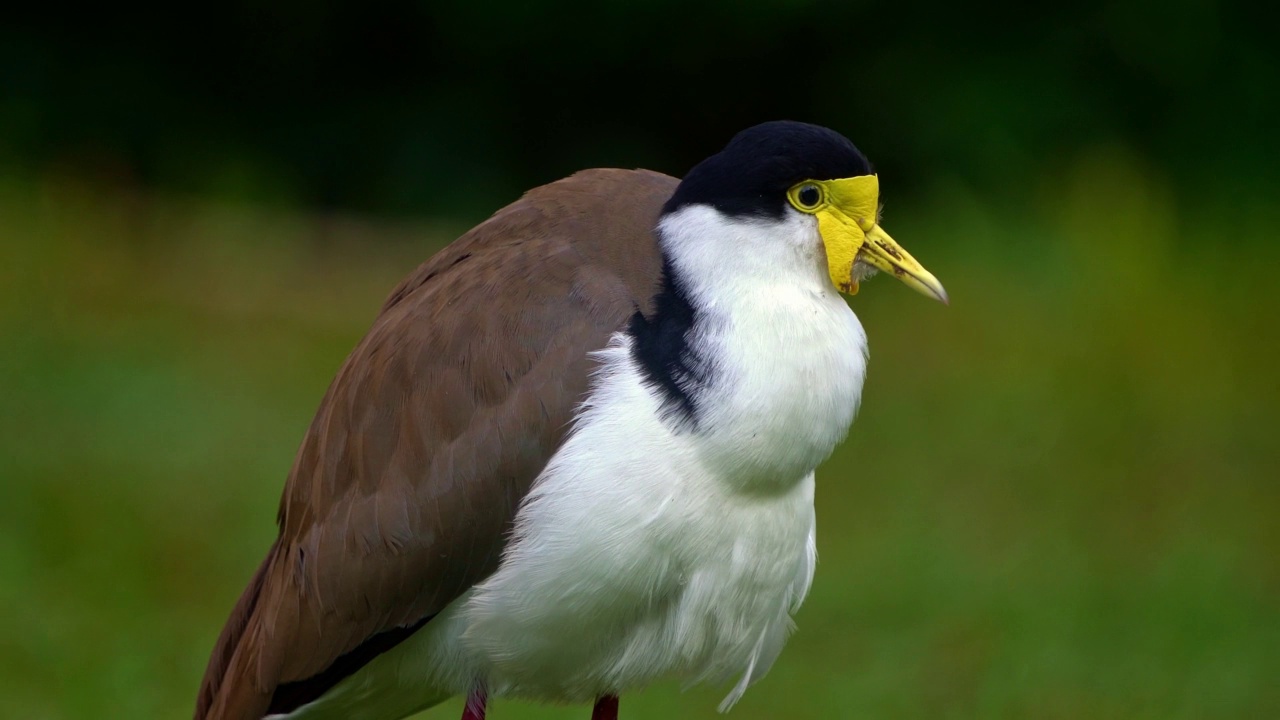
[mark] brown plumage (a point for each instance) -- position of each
(455, 400)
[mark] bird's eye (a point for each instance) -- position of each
(809, 195)
(806, 197)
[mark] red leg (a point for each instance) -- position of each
(606, 708)
(476, 702)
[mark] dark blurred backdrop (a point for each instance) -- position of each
(1061, 498)
(429, 107)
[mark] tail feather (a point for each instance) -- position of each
(230, 690)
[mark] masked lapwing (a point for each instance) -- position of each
(575, 453)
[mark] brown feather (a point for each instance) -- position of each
(407, 483)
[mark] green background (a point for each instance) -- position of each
(1060, 499)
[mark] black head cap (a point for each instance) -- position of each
(751, 176)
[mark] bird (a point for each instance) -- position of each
(575, 453)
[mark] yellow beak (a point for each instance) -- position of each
(882, 251)
(847, 223)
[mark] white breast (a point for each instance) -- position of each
(617, 577)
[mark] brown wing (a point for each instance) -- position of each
(408, 480)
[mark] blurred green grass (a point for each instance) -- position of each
(1060, 499)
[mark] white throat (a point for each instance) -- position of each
(787, 356)
(719, 256)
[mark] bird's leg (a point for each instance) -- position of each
(606, 708)
(476, 702)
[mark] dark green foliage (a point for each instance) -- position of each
(456, 107)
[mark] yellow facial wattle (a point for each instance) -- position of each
(846, 210)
